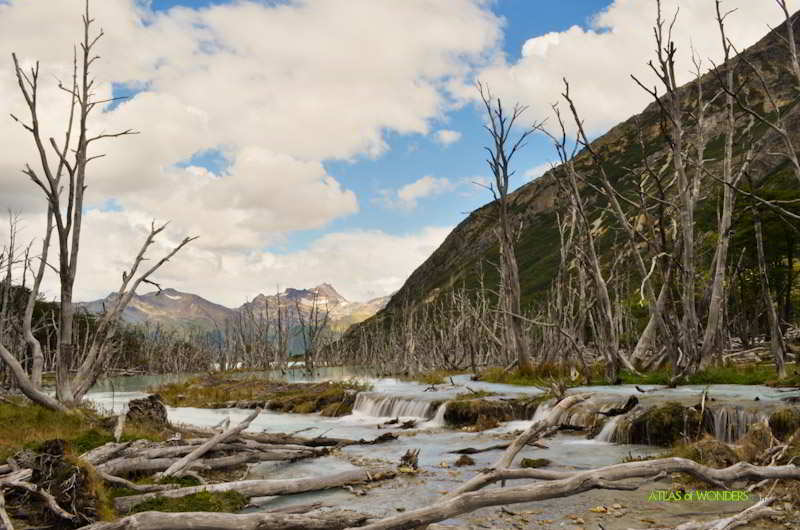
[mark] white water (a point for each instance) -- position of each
(438, 419)
(609, 430)
(377, 405)
(731, 423)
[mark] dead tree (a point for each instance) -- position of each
(63, 186)
(500, 154)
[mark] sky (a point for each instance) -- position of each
(311, 141)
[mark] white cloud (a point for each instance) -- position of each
(598, 61)
(361, 264)
(446, 137)
(279, 89)
(406, 197)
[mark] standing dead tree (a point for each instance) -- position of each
(500, 154)
(314, 327)
(63, 185)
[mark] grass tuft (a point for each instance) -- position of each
(228, 502)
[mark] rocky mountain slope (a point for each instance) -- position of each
(470, 249)
(190, 311)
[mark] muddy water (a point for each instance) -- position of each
(390, 398)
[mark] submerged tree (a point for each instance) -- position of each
(63, 184)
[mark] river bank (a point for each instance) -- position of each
(730, 411)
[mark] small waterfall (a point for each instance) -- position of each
(438, 418)
(732, 423)
(379, 405)
(609, 430)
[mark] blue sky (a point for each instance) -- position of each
(412, 156)
(311, 141)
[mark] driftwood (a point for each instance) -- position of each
(122, 466)
(264, 488)
(5, 520)
(104, 453)
(533, 432)
(178, 467)
(49, 500)
(334, 520)
(143, 488)
(578, 482)
(474, 451)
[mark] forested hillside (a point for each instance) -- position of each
(632, 189)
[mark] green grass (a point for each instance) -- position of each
(219, 388)
(25, 425)
(228, 502)
(437, 377)
(740, 374)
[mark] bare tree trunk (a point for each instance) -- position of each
(776, 337)
(501, 154)
(712, 338)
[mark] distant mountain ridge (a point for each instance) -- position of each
(178, 309)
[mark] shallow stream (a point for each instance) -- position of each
(390, 398)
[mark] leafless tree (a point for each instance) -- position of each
(68, 177)
(501, 153)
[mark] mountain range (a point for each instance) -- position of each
(178, 309)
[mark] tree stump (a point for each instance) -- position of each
(148, 410)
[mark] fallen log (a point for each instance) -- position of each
(264, 488)
(20, 474)
(123, 466)
(474, 451)
(288, 452)
(5, 520)
(104, 453)
(144, 488)
(532, 434)
(578, 482)
(178, 467)
(334, 520)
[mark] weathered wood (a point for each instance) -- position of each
(104, 453)
(263, 488)
(334, 520)
(278, 452)
(474, 451)
(144, 488)
(186, 461)
(49, 500)
(21, 474)
(120, 426)
(5, 520)
(530, 435)
(601, 478)
(122, 466)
